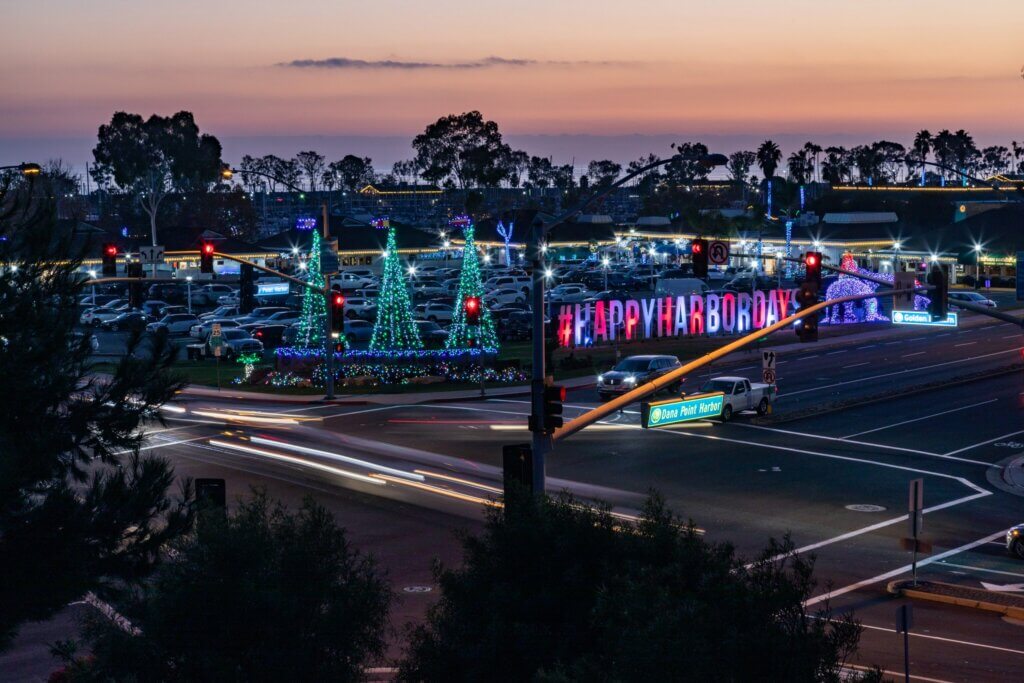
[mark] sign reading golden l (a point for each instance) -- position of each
(594, 322)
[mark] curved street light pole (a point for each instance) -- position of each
(227, 173)
(538, 237)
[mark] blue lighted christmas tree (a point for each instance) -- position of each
(461, 335)
(394, 328)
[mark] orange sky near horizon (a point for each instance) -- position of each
(648, 66)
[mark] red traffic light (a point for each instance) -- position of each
(811, 260)
(339, 299)
(208, 248)
(697, 247)
(110, 250)
(472, 304)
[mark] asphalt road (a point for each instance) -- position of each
(405, 475)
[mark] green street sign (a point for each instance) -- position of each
(678, 410)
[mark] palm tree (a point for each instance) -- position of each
(813, 150)
(1018, 152)
(922, 145)
(768, 157)
(799, 166)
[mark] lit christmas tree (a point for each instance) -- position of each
(314, 307)
(394, 329)
(462, 335)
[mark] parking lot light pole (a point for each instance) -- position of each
(538, 238)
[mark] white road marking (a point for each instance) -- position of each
(902, 372)
(909, 355)
(869, 346)
(805, 357)
(1013, 336)
(360, 412)
(964, 344)
(865, 443)
(981, 569)
(897, 675)
(893, 343)
(917, 419)
(856, 365)
(982, 443)
(903, 570)
(947, 640)
(832, 353)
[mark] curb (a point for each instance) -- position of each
(977, 600)
(878, 398)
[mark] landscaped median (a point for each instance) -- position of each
(1007, 604)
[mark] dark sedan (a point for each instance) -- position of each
(129, 320)
(432, 334)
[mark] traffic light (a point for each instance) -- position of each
(472, 308)
(939, 295)
(699, 256)
(109, 260)
(206, 250)
(807, 297)
(554, 395)
(517, 467)
(246, 288)
(812, 264)
(337, 312)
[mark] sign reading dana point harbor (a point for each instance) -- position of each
(685, 409)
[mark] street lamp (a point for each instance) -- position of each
(977, 263)
(605, 262)
(28, 169)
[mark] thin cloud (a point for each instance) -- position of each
(398, 65)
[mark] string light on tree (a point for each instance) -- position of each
(483, 334)
(506, 234)
(395, 327)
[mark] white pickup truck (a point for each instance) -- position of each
(740, 394)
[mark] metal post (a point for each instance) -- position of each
(906, 655)
(329, 345)
(189, 286)
(541, 441)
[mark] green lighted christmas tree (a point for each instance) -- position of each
(394, 329)
(314, 307)
(462, 335)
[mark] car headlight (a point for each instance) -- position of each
(600, 378)
(630, 380)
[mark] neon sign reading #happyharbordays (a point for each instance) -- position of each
(583, 324)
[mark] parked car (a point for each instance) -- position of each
(520, 282)
(435, 312)
(358, 331)
(427, 288)
(360, 307)
(260, 314)
(153, 307)
(1015, 541)
(432, 335)
(203, 328)
(349, 280)
(94, 316)
(283, 317)
(609, 295)
(569, 293)
(209, 294)
(221, 312)
(271, 335)
(90, 301)
(175, 323)
(633, 371)
(134, 321)
(168, 291)
(228, 300)
(497, 297)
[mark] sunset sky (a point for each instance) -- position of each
(265, 68)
